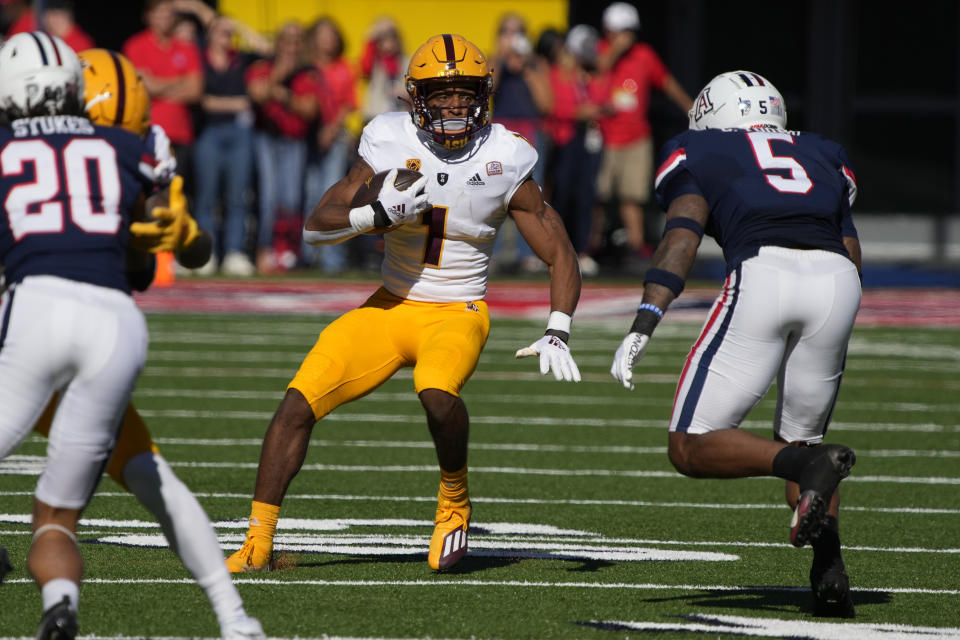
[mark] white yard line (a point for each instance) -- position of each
(446, 583)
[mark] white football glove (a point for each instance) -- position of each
(628, 354)
(404, 206)
(164, 162)
(554, 354)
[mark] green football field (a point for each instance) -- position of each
(581, 527)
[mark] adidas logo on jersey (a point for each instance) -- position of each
(475, 181)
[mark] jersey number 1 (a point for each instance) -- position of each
(798, 182)
(436, 221)
(33, 207)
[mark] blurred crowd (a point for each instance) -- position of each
(263, 125)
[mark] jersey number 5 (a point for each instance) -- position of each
(33, 207)
(798, 182)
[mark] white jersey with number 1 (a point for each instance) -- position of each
(444, 257)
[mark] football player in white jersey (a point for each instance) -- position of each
(429, 313)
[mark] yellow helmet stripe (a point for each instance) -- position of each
(121, 89)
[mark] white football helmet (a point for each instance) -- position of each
(39, 75)
(738, 100)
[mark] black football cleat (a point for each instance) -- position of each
(5, 566)
(831, 591)
(817, 483)
(59, 622)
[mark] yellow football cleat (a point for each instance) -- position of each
(449, 542)
(255, 555)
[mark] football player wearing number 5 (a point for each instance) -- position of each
(778, 203)
(429, 314)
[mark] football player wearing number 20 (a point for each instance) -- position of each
(778, 203)
(429, 314)
(67, 325)
(67, 319)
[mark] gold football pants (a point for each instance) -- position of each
(361, 349)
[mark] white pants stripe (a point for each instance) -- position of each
(90, 343)
(785, 314)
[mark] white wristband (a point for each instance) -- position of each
(361, 218)
(559, 321)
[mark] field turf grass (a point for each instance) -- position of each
(581, 527)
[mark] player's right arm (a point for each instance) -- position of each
(336, 219)
(686, 218)
(678, 250)
(329, 222)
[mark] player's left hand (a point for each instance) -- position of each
(554, 355)
(628, 354)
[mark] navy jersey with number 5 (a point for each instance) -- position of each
(68, 189)
(763, 187)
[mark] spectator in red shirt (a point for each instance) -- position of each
(327, 155)
(224, 147)
(58, 20)
(285, 93)
(630, 69)
(173, 74)
(383, 66)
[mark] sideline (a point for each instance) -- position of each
(514, 299)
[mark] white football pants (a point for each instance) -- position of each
(91, 343)
(784, 314)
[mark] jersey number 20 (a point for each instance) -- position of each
(33, 207)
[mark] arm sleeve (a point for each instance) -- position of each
(846, 217)
(673, 177)
(371, 138)
(524, 159)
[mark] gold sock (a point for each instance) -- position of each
(263, 520)
(453, 486)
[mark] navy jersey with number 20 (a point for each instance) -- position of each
(68, 188)
(763, 187)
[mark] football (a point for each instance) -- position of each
(369, 191)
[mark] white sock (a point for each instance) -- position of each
(187, 528)
(53, 592)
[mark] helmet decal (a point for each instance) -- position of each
(703, 104)
(115, 94)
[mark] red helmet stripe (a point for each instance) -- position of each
(43, 53)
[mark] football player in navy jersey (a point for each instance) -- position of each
(778, 203)
(67, 320)
(115, 95)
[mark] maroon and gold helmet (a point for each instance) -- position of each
(449, 59)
